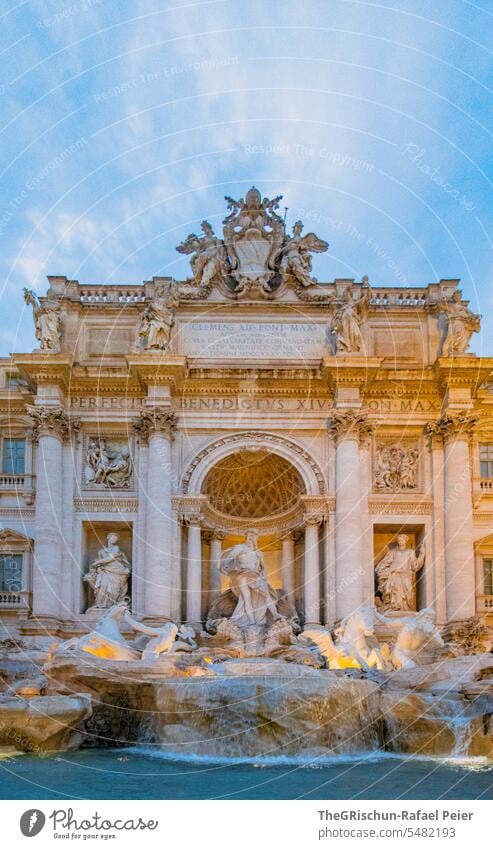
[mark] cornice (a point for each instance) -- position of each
(155, 369)
(42, 368)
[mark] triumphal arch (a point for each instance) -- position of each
(156, 424)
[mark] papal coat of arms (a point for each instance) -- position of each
(255, 253)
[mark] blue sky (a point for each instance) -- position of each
(122, 125)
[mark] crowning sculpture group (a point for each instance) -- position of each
(256, 257)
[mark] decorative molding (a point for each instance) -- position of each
(257, 438)
(20, 514)
(51, 421)
(451, 425)
(400, 506)
(106, 505)
(350, 423)
(157, 419)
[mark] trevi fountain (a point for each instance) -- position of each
(246, 524)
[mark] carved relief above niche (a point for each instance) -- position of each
(107, 463)
(396, 466)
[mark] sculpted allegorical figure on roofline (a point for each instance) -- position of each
(158, 319)
(296, 255)
(461, 324)
(209, 257)
(396, 575)
(347, 320)
(47, 322)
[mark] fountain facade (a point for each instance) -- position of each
(220, 485)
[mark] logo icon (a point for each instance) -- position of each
(32, 822)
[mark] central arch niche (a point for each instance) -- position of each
(253, 484)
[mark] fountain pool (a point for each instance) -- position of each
(119, 774)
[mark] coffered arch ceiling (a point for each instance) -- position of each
(253, 484)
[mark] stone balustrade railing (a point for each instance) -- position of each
(11, 481)
(382, 297)
(486, 484)
(12, 599)
(112, 294)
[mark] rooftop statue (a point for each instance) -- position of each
(209, 258)
(461, 324)
(158, 319)
(255, 253)
(347, 320)
(47, 321)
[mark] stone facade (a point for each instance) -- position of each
(331, 417)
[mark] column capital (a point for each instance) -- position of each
(155, 420)
(350, 424)
(451, 426)
(51, 421)
(193, 520)
(314, 518)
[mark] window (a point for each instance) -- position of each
(488, 576)
(13, 456)
(10, 573)
(486, 461)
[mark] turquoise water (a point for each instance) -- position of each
(143, 774)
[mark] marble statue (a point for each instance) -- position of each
(108, 574)
(158, 319)
(108, 468)
(461, 324)
(105, 640)
(296, 255)
(47, 322)
(209, 257)
(165, 639)
(347, 320)
(416, 633)
(244, 565)
(355, 647)
(396, 467)
(396, 575)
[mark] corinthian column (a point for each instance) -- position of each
(50, 427)
(194, 571)
(350, 428)
(312, 571)
(156, 426)
(460, 590)
(215, 557)
(287, 565)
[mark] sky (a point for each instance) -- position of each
(123, 125)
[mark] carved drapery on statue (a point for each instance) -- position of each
(108, 575)
(47, 321)
(158, 319)
(255, 254)
(396, 575)
(244, 566)
(347, 319)
(461, 323)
